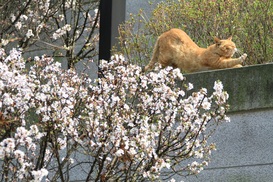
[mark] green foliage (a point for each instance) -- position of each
(250, 22)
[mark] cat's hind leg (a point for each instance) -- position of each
(151, 65)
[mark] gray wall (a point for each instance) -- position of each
(245, 145)
(249, 87)
(244, 150)
(133, 6)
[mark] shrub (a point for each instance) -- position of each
(125, 126)
(250, 23)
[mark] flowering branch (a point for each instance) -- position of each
(66, 29)
(127, 126)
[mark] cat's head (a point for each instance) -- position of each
(225, 47)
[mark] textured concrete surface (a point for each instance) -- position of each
(249, 87)
(244, 150)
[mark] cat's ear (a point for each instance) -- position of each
(229, 38)
(217, 41)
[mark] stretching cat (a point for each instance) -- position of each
(175, 48)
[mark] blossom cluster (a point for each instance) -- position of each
(61, 31)
(126, 125)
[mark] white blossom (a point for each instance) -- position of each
(218, 86)
(61, 31)
(119, 152)
(13, 17)
(190, 86)
(23, 17)
(39, 174)
(18, 25)
(206, 104)
(29, 33)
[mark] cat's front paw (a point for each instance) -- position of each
(243, 57)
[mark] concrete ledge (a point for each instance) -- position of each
(249, 87)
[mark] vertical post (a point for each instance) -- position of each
(112, 14)
(105, 29)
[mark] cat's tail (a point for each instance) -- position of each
(154, 59)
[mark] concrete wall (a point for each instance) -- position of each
(244, 150)
(249, 87)
(245, 145)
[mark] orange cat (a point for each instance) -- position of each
(175, 48)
